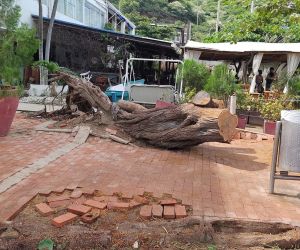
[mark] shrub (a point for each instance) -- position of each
(221, 83)
(271, 109)
(194, 75)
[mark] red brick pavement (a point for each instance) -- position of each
(218, 180)
(24, 145)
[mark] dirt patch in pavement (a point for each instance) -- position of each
(126, 230)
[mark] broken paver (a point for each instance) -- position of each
(76, 194)
(169, 212)
(64, 219)
(58, 198)
(180, 211)
(63, 203)
(146, 212)
(168, 202)
(95, 204)
(44, 209)
(157, 211)
(90, 217)
(79, 209)
(140, 199)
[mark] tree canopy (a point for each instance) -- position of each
(271, 21)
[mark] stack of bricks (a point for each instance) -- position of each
(87, 209)
(167, 209)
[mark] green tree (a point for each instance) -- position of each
(194, 75)
(9, 15)
(272, 21)
(221, 83)
(17, 44)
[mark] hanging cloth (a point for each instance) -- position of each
(256, 64)
(293, 60)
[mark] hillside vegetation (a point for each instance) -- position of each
(271, 21)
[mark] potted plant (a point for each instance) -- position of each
(17, 47)
(271, 112)
(221, 83)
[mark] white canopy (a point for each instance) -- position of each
(244, 47)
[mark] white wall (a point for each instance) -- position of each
(30, 7)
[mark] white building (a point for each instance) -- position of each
(90, 13)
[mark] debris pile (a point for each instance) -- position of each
(65, 209)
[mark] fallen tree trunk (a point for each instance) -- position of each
(172, 127)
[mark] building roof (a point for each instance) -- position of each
(120, 15)
(146, 40)
(241, 47)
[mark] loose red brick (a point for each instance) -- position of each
(79, 201)
(134, 204)
(169, 212)
(168, 202)
(180, 211)
(90, 217)
(118, 205)
(146, 212)
(44, 209)
(157, 211)
(140, 199)
(79, 209)
(58, 198)
(76, 194)
(106, 198)
(95, 204)
(56, 204)
(64, 219)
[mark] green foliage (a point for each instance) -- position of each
(272, 21)
(17, 44)
(189, 93)
(52, 67)
(17, 48)
(221, 83)
(9, 15)
(294, 86)
(271, 109)
(158, 18)
(194, 75)
(245, 101)
(109, 26)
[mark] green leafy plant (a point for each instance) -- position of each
(271, 109)
(221, 83)
(108, 26)
(294, 86)
(194, 76)
(17, 45)
(189, 93)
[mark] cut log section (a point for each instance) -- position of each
(202, 98)
(172, 127)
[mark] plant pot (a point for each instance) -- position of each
(242, 121)
(269, 127)
(256, 120)
(8, 107)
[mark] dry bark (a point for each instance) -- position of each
(171, 127)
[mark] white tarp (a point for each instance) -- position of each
(256, 65)
(245, 47)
